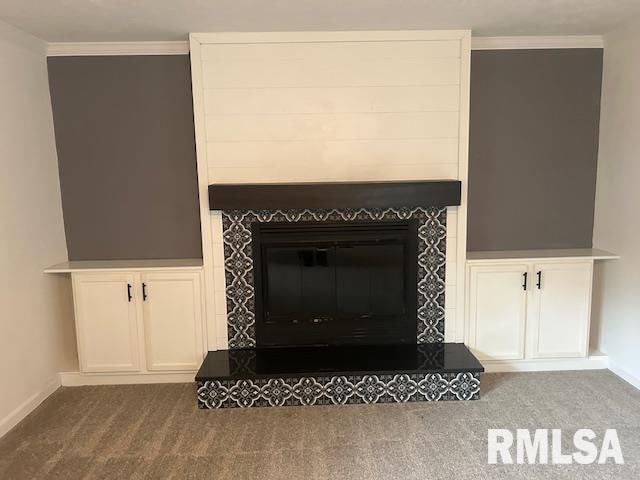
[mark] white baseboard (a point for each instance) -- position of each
(28, 406)
(626, 376)
(77, 379)
(592, 362)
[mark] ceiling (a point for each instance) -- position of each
(140, 20)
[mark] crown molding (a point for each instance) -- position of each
(536, 42)
(69, 49)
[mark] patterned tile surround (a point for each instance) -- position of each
(236, 230)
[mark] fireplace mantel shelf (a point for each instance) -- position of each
(284, 196)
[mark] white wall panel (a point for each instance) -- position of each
(331, 126)
(394, 98)
(304, 154)
(377, 50)
(332, 107)
(36, 322)
(327, 172)
(330, 72)
(616, 307)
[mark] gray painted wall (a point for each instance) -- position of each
(126, 152)
(533, 148)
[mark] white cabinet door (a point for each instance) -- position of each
(106, 322)
(497, 311)
(560, 310)
(172, 307)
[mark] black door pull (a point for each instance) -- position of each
(539, 282)
(144, 292)
(524, 281)
(129, 291)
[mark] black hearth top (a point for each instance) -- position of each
(345, 360)
(283, 196)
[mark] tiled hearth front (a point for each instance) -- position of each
(337, 390)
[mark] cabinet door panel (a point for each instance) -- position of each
(173, 321)
(497, 307)
(106, 322)
(561, 310)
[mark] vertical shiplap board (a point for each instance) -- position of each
(331, 106)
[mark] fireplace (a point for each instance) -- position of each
(325, 283)
(335, 293)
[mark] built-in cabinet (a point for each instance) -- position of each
(529, 309)
(497, 311)
(107, 327)
(139, 321)
(172, 313)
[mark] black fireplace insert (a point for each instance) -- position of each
(350, 283)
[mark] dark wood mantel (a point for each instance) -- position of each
(425, 193)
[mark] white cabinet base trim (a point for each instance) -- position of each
(28, 406)
(592, 362)
(77, 379)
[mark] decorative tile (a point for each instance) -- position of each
(355, 389)
(238, 254)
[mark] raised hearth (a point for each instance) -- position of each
(254, 377)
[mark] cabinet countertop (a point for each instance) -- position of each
(125, 265)
(559, 254)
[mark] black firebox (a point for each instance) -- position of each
(319, 283)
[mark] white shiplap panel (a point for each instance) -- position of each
(450, 295)
(452, 245)
(221, 324)
(216, 227)
(346, 153)
(335, 110)
(450, 318)
(332, 173)
(452, 221)
(450, 270)
(412, 98)
(335, 72)
(338, 126)
(333, 50)
(218, 254)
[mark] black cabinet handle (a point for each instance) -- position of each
(129, 291)
(524, 281)
(144, 292)
(539, 282)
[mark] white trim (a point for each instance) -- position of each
(77, 379)
(65, 49)
(463, 176)
(625, 375)
(28, 406)
(559, 255)
(69, 49)
(327, 36)
(75, 266)
(592, 362)
(208, 284)
(536, 42)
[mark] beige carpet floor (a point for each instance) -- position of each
(156, 431)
